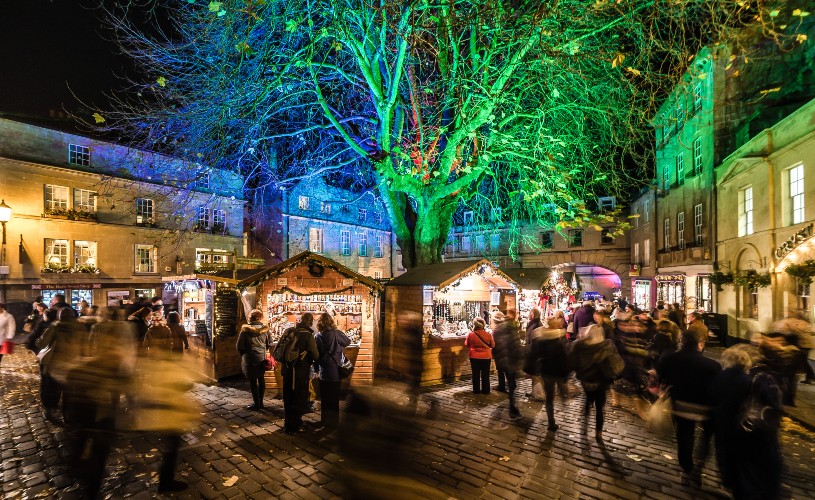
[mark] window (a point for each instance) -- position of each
(666, 177)
(218, 220)
(465, 244)
(146, 257)
(56, 253)
(645, 211)
(480, 244)
(303, 202)
(797, 193)
(680, 169)
(56, 198)
(746, 211)
(606, 203)
(680, 115)
(680, 229)
(697, 97)
(325, 208)
(606, 237)
(646, 253)
(575, 237)
(547, 239)
(203, 219)
(400, 265)
(636, 257)
(211, 258)
(697, 157)
(144, 211)
(201, 181)
(363, 244)
(345, 242)
(315, 239)
(496, 214)
(495, 241)
(79, 155)
(378, 246)
(666, 234)
(468, 218)
(377, 275)
(697, 224)
(84, 200)
(362, 214)
(378, 216)
(85, 253)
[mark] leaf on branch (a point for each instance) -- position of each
(244, 48)
(161, 81)
(215, 6)
(291, 26)
(774, 13)
(633, 71)
(769, 91)
(618, 60)
(98, 118)
(799, 12)
(800, 38)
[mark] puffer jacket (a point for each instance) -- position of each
(253, 343)
(507, 352)
(588, 356)
(549, 352)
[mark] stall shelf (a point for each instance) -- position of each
(445, 297)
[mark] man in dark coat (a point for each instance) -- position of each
(583, 317)
(296, 375)
(508, 356)
(691, 376)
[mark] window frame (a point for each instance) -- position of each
(796, 194)
(303, 202)
(345, 242)
(315, 245)
(547, 235)
(680, 168)
(378, 246)
(468, 218)
(51, 203)
(91, 253)
(218, 219)
(79, 205)
(79, 155)
(697, 156)
(605, 236)
(362, 243)
(697, 97)
(203, 218)
(50, 245)
(746, 211)
(697, 224)
(325, 208)
(141, 204)
(575, 238)
(646, 253)
(680, 230)
(362, 214)
(666, 233)
(636, 253)
(152, 264)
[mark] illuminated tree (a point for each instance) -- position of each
(533, 107)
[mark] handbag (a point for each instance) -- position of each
(346, 368)
(44, 356)
(7, 347)
(269, 363)
(660, 420)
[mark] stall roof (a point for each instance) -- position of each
(442, 274)
(224, 276)
(530, 278)
(304, 259)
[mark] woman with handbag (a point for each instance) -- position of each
(330, 342)
(253, 343)
(480, 344)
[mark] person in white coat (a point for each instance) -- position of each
(7, 330)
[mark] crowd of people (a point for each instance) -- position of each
(738, 400)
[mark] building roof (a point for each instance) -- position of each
(307, 259)
(221, 276)
(529, 278)
(445, 273)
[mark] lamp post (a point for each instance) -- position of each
(5, 215)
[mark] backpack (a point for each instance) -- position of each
(286, 349)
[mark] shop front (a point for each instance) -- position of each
(530, 294)
(445, 297)
(671, 288)
(309, 282)
(642, 293)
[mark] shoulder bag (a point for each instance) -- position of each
(346, 368)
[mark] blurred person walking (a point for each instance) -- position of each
(330, 342)
(297, 374)
(798, 332)
(253, 343)
(548, 361)
(61, 346)
(509, 357)
(8, 327)
(480, 343)
(533, 323)
(179, 334)
(697, 328)
(41, 325)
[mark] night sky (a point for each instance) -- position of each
(47, 46)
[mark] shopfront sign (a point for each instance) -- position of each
(670, 277)
(63, 286)
(796, 239)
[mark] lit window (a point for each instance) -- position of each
(201, 181)
(697, 157)
(303, 203)
(146, 258)
(546, 239)
(636, 258)
(697, 224)
(56, 198)
(315, 240)
(211, 258)
(797, 193)
(378, 246)
(605, 237)
(378, 216)
(666, 234)
(144, 211)
(680, 116)
(377, 275)
(468, 218)
(325, 208)
(85, 253)
(575, 237)
(218, 220)
(400, 265)
(362, 214)
(79, 155)
(56, 252)
(680, 229)
(680, 169)
(697, 97)
(646, 253)
(666, 176)
(363, 244)
(203, 220)
(345, 242)
(84, 200)
(746, 211)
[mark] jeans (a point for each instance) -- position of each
(330, 403)
(549, 391)
(258, 387)
(481, 375)
(511, 386)
(502, 379)
(596, 398)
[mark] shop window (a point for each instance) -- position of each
(56, 253)
(606, 237)
(680, 229)
(646, 253)
(79, 155)
(56, 198)
(378, 246)
(746, 211)
(363, 244)
(680, 169)
(84, 200)
(362, 214)
(146, 258)
(85, 253)
(802, 291)
(144, 211)
(78, 296)
(325, 208)
(704, 293)
(144, 293)
(697, 224)
(315, 240)
(697, 157)
(547, 239)
(303, 202)
(796, 190)
(345, 242)
(468, 218)
(575, 237)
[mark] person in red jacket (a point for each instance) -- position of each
(480, 343)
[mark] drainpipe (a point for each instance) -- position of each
(776, 303)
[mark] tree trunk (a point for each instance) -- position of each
(424, 242)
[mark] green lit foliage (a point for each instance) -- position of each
(523, 105)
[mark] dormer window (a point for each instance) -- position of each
(79, 155)
(303, 202)
(362, 214)
(325, 208)
(606, 203)
(468, 218)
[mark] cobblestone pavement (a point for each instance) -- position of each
(465, 448)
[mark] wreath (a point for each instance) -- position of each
(316, 269)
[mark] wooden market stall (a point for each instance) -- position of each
(531, 281)
(446, 297)
(309, 282)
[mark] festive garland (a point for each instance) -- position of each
(804, 272)
(752, 280)
(719, 278)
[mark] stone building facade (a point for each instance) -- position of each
(103, 223)
(643, 239)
